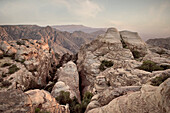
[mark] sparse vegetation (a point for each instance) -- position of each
(150, 66)
(22, 61)
(12, 56)
(136, 54)
(1, 56)
(86, 100)
(4, 75)
(105, 64)
(158, 80)
(38, 110)
(19, 43)
(74, 105)
(6, 64)
(13, 69)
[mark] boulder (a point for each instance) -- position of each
(68, 80)
(43, 100)
(133, 41)
(149, 99)
(16, 101)
(103, 98)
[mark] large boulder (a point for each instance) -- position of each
(104, 97)
(68, 80)
(120, 77)
(133, 41)
(149, 99)
(16, 101)
(43, 100)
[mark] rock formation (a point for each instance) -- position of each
(25, 64)
(68, 80)
(107, 47)
(149, 99)
(60, 42)
(160, 42)
(16, 101)
(124, 74)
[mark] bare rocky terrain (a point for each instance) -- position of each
(160, 42)
(115, 73)
(60, 42)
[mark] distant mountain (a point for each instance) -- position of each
(60, 42)
(72, 28)
(161, 42)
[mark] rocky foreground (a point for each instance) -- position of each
(124, 74)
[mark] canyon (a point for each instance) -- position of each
(121, 72)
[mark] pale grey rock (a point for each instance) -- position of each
(68, 80)
(105, 47)
(111, 36)
(60, 86)
(107, 95)
(133, 41)
(120, 77)
(149, 99)
(157, 58)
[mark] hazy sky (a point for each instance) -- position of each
(143, 16)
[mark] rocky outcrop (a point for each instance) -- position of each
(25, 65)
(160, 42)
(120, 77)
(133, 41)
(103, 98)
(149, 99)
(43, 100)
(68, 80)
(60, 42)
(16, 101)
(106, 47)
(158, 55)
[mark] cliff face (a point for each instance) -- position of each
(60, 42)
(160, 42)
(25, 64)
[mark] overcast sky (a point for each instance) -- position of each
(144, 16)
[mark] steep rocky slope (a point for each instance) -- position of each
(60, 42)
(24, 64)
(161, 42)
